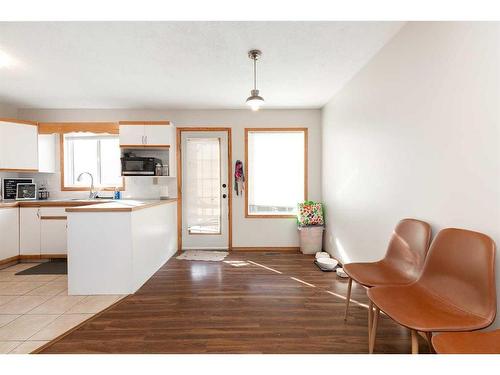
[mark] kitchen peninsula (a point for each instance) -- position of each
(114, 247)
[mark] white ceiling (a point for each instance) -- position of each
(181, 64)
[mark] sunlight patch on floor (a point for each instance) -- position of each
(267, 268)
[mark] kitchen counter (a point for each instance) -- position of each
(115, 247)
(54, 203)
(120, 206)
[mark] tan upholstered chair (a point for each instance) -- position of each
(456, 291)
(467, 343)
(402, 263)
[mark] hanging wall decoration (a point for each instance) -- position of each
(239, 178)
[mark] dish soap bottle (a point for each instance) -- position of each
(117, 194)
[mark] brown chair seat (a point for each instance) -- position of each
(467, 343)
(377, 273)
(415, 307)
(455, 291)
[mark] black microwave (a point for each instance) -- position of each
(139, 166)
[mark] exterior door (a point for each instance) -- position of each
(204, 190)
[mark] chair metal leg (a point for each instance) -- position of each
(428, 337)
(348, 299)
(414, 342)
(370, 319)
(373, 334)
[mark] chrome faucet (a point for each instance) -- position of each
(92, 192)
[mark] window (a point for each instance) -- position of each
(276, 171)
(203, 184)
(98, 154)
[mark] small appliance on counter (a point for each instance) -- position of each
(133, 165)
(43, 193)
(9, 187)
(26, 192)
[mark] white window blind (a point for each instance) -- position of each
(275, 172)
(203, 185)
(98, 154)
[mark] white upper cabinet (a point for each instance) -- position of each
(131, 135)
(47, 153)
(146, 134)
(18, 146)
(158, 134)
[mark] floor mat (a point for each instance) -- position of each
(205, 255)
(47, 268)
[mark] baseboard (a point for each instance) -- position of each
(18, 258)
(13, 259)
(42, 256)
(278, 249)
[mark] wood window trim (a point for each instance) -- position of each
(16, 121)
(247, 177)
(71, 127)
(61, 160)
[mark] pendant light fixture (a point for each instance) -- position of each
(255, 100)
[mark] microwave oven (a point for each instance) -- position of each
(139, 166)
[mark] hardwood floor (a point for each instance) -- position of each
(251, 303)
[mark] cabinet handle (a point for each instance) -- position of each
(145, 139)
(38, 213)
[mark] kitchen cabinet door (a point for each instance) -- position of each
(29, 231)
(47, 153)
(9, 232)
(132, 135)
(18, 146)
(53, 235)
(158, 135)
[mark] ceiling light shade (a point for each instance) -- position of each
(255, 100)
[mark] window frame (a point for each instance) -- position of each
(247, 176)
(81, 188)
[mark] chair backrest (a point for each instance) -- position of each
(408, 247)
(460, 268)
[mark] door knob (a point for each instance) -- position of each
(224, 195)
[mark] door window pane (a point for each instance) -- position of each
(202, 185)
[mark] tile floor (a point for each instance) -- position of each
(35, 309)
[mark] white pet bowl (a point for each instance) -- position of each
(322, 254)
(341, 273)
(327, 263)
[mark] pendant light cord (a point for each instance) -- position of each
(254, 73)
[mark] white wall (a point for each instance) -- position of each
(416, 133)
(246, 232)
(8, 111)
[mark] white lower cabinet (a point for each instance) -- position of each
(43, 231)
(53, 236)
(29, 228)
(9, 232)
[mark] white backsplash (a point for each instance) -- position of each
(135, 187)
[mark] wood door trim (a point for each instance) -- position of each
(306, 173)
(228, 130)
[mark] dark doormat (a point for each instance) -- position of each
(59, 267)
